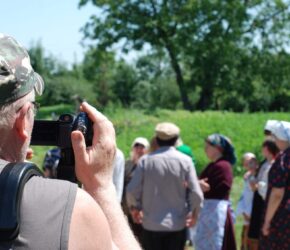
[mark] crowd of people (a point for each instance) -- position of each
(264, 203)
(166, 204)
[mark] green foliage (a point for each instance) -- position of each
(125, 79)
(63, 89)
(200, 55)
(223, 54)
(61, 84)
(98, 67)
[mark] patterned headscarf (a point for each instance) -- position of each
(225, 144)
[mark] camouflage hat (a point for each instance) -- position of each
(17, 78)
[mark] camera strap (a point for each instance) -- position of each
(12, 180)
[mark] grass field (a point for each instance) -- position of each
(244, 129)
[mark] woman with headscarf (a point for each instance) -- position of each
(276, 226)
(215, 229)
(260, 185)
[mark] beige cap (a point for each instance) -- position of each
(166, 131)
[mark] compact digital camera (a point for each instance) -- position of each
(58, 133)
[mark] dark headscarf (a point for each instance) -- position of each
(225, 144)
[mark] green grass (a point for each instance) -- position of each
(244, 129)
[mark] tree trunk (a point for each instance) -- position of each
(205, 98)
(179, 78)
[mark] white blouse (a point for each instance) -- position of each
(262, 178)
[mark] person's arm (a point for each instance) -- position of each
(279, 182)
(275, 199)
(89, 228)
(195, 191)
(94, 170)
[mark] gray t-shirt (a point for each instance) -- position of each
(45, 214)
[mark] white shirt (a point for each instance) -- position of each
(118, 173)
(262, 178)
(246, 201)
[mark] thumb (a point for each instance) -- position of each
(79, 146)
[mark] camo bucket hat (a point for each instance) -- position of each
(17, 78)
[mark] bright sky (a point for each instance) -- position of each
(56, 23)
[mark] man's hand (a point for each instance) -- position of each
(191, 219)
(205, 187)
(93, 165)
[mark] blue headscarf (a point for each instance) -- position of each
(225, 144)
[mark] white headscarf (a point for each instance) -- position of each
(141, 140)
(282, 130)
(270, 125)
(249, 155)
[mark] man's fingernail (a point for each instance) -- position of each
(76, 136)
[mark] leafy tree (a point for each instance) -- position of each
(209, 43)
(61, 84)
(125, 79)
(98, 68)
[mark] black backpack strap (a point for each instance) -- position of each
(12, 180)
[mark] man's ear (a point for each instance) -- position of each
(21, 122)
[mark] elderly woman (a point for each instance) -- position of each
(140, 146)
(276, 227)
(215, 228)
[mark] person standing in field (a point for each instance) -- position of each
(215, 229)
(244, 206)
(165, 193)
(276, 223)
(260, 186)
(140, 147)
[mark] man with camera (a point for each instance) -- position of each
(57, 214)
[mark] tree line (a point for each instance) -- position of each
(204, 54)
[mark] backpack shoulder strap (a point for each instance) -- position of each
(12, 180)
